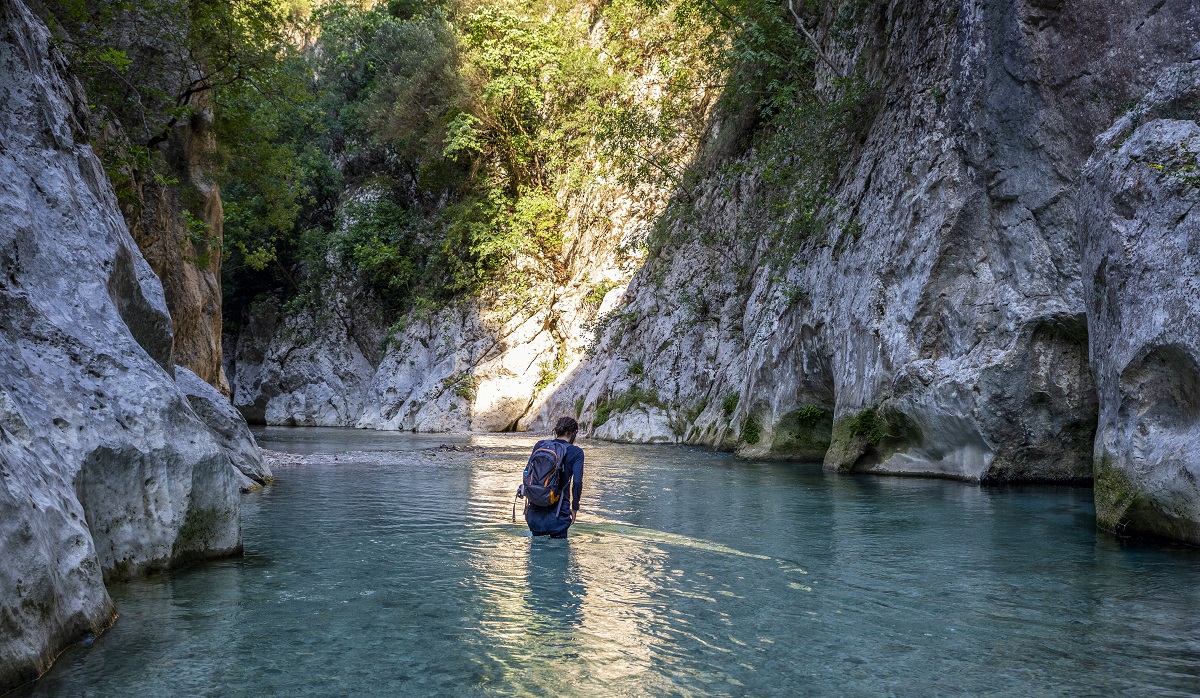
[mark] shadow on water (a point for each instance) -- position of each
(555, 590)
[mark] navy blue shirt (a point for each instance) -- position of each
(556, 519)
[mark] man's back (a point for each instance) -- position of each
(554, 520)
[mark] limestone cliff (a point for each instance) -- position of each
(107, 472)
(1140, 238)
(152, 124)
(939, 328)
(178, 228)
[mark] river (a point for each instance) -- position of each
(395, 570)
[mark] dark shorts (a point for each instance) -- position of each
(546, 522)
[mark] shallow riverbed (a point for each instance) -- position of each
(398, 572)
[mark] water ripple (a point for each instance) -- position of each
(385, 568)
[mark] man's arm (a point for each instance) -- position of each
(576, 485)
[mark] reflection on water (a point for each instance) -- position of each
(399, 572)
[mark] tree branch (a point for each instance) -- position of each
(812, 40)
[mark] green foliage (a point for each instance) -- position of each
(866, 424)
(623, 402)
(810, 414)
(416, 85)
(463, 385)
(751, 431)
(198, 233)
(728, 404)
(460, 122)
(636, 368)
(884, 425)
(595, 295)
(382, 241)
(550, 371)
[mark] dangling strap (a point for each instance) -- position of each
(563, 495)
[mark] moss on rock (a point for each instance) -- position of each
(1114, 493)
(803, 434)
(869, 436)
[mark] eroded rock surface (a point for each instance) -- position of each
(106, 470)
(173, 209)
(230, 428)
(939, 326)
(310, 368)
(1139, 215)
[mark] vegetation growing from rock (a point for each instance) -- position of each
(425, 148)
(728, 404)
(623, 402)
(751, 431)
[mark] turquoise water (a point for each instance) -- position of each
(398, 573)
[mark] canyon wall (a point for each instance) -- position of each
(939, 324)
(1140, 237)
(107, 471)
(178, 228)
(172, 205)
(939, 328)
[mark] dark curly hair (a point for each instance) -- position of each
(566, 426)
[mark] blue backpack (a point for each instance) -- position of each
(542, 482)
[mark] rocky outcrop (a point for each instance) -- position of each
(230, 428)
(308, 368)
(179, 230)
(484, 364)
(160, 150)
(106, 470)
(938, 326)
(1140, 235)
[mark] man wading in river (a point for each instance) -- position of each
(553, 482)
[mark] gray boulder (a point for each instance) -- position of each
(105, 471)
(1140, 235)
(230, 428)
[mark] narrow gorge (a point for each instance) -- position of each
(951, 239)
(935, 321)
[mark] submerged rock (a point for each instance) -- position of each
(1139, 214)
(106, 471)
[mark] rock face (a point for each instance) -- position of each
(230, 428)
(1140, 236)
(172, 207)
(186, 254)
(940, 327)
(479, 365)
(106, 470)
(308, 369)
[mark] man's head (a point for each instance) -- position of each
(566, 428)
